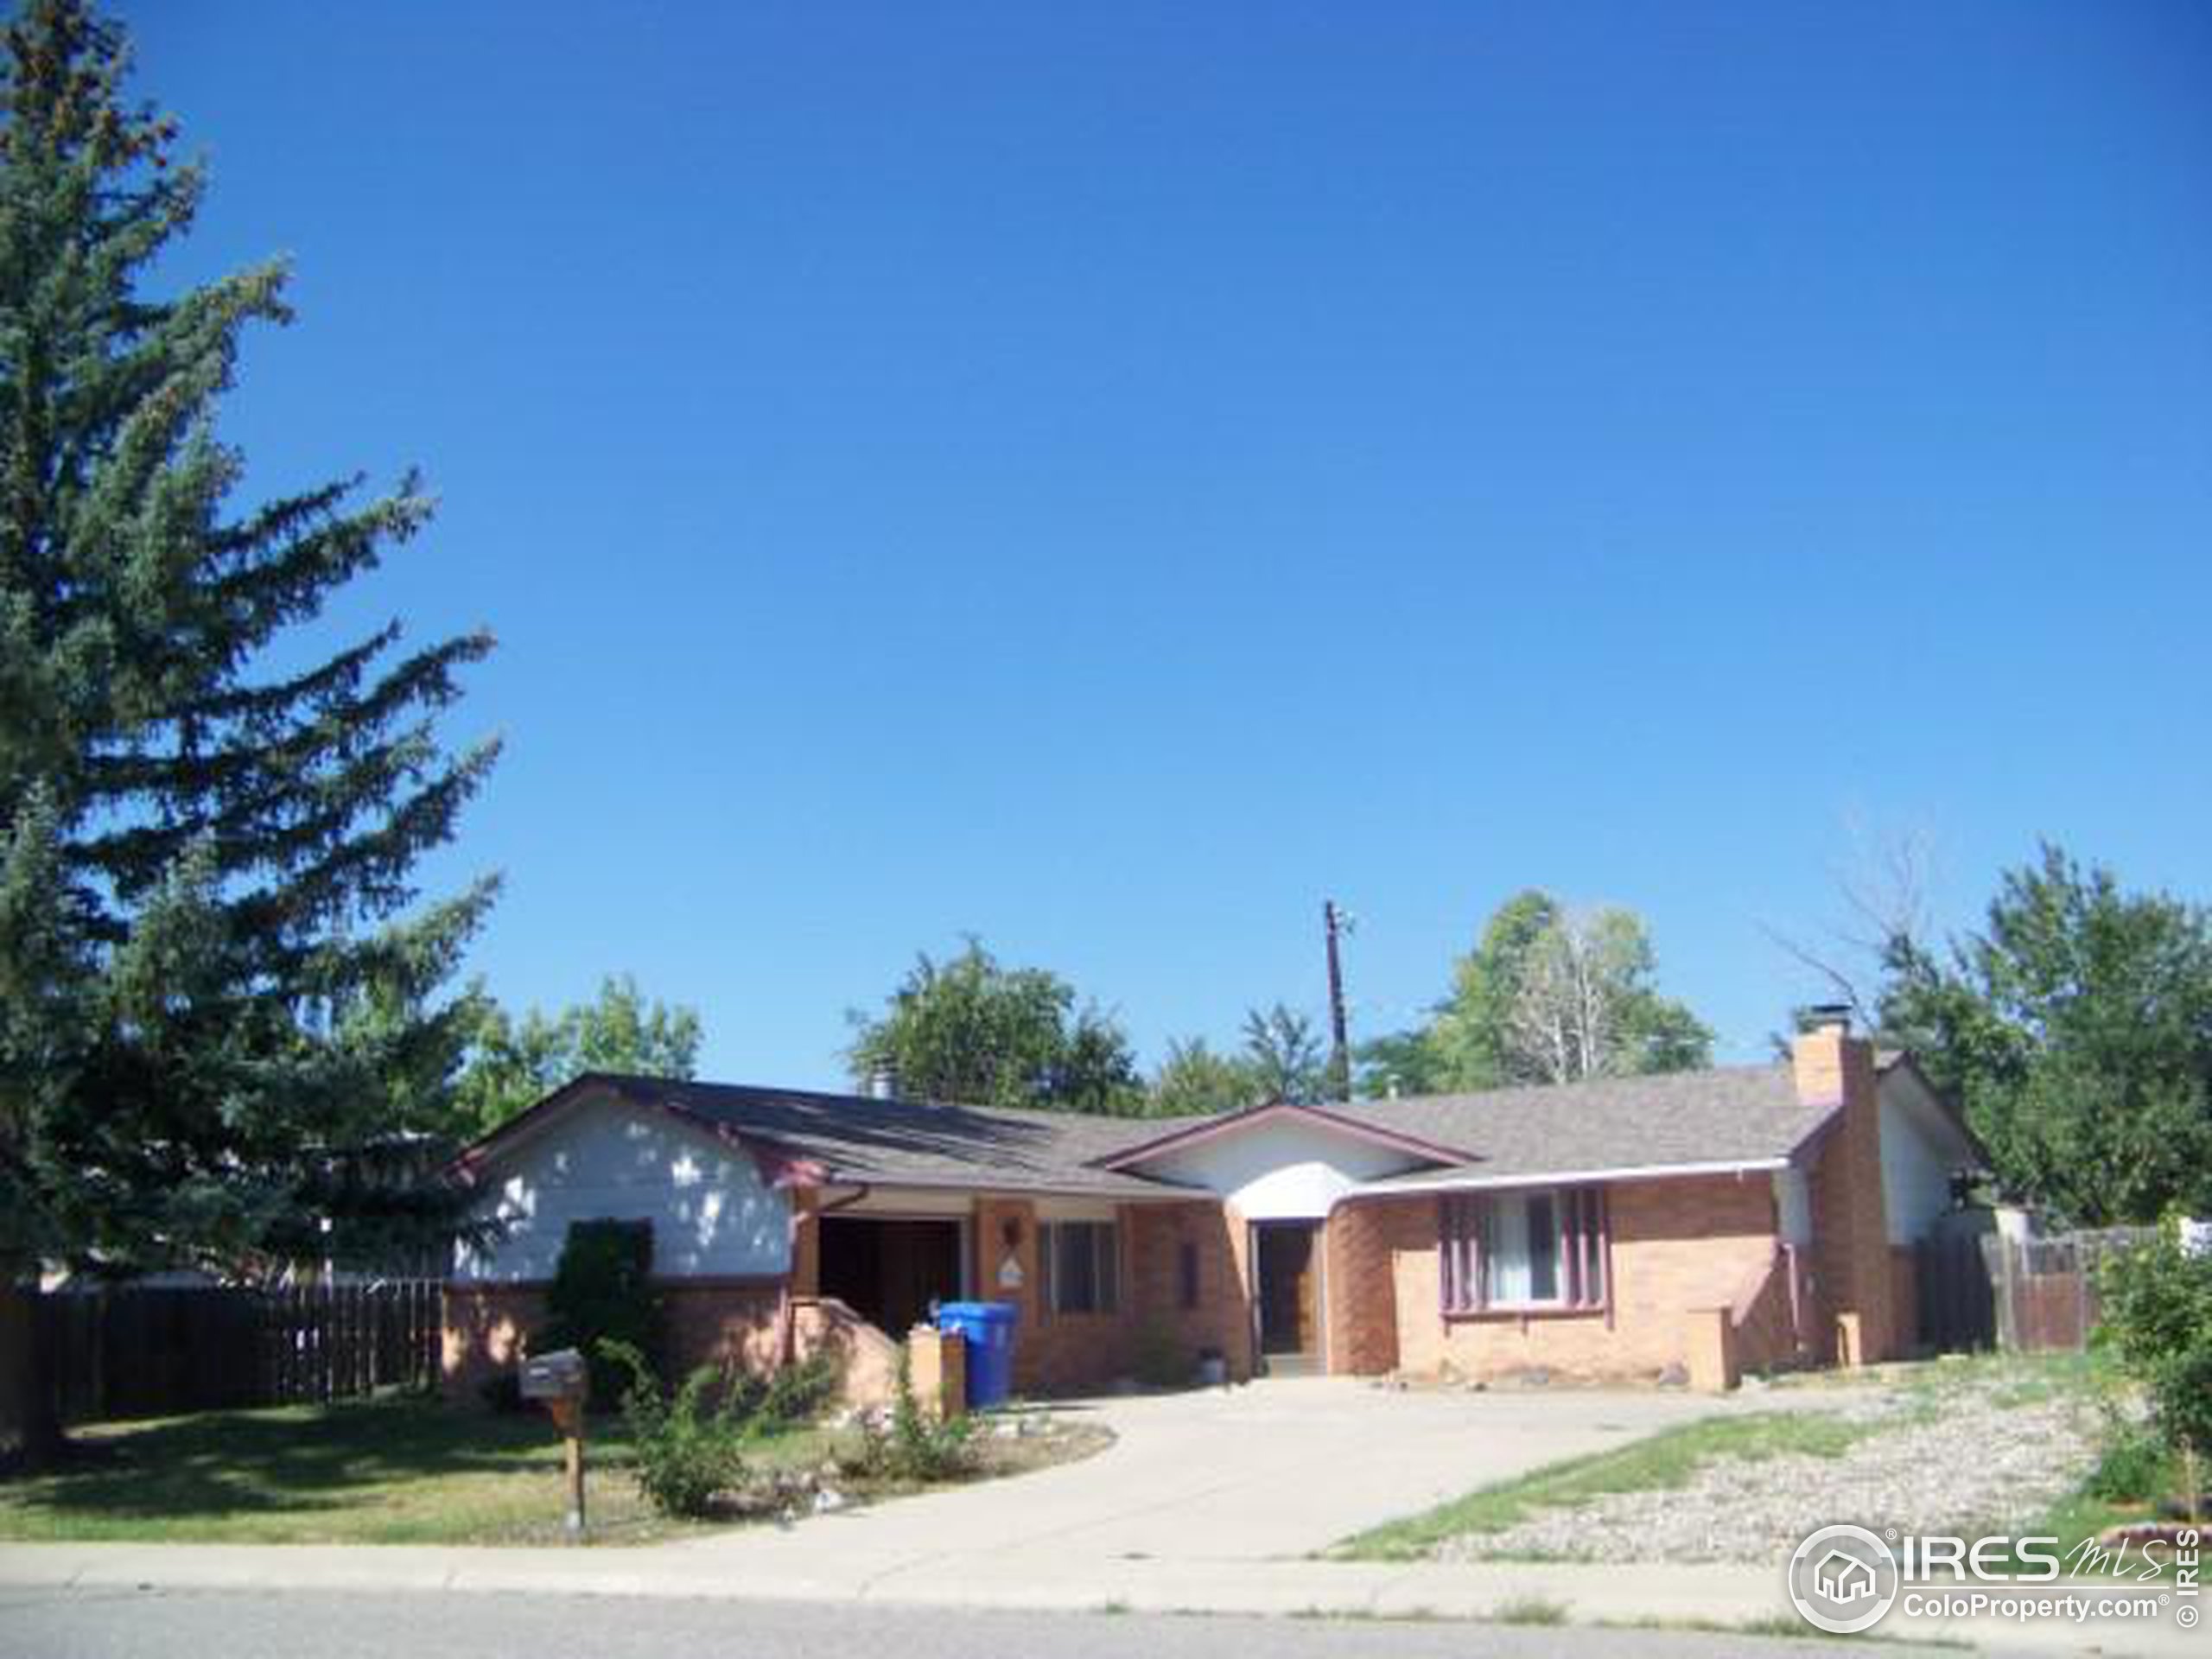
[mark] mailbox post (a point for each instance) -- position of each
(561, 1380)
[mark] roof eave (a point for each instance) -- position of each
(1450, 1182)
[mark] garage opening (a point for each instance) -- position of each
(889, 1270)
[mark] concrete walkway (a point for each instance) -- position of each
(1278, 1468)
(1205, 1503)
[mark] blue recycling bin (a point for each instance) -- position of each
(987, 1329)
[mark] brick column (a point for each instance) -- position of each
(806, 1242)
(1851, 1234)
(1362, 1311)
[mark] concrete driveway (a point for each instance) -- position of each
(1278, 1468)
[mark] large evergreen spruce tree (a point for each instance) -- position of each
(221, 1042)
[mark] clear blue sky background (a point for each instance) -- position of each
(1106, 480)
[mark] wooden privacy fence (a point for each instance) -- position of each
(142, 1352)
(2031, 1296)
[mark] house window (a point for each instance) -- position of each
(1541, 1248)
(1187, 1274)
(1082, 1266)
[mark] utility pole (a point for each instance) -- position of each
(1335, 923)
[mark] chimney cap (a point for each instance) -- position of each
(1828, 1016)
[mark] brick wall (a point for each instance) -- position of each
(1221, 1320)
(867, 1359)
(727, 1322)
(1070, 1353)
(1851, 1240)
(1676, 1245)
(486, 1326)
(730, 1324)
(1359, 1243)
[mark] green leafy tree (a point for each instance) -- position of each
(220, 1038)
(220, 987)
(2075, 1028)
(512, 1064)
(2156, 1314)
(1551, 995)
(1284, 1056)
(970, 1031)
(1400, 1063)
(1195, 1081)
(1472, 1037)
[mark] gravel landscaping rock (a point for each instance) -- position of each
(1960, 1460)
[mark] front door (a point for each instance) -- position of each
(1287, 1262)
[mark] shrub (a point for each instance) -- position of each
(2158, 1317)
(792, 1396)
(686, 1454)
(914, 1445)
(602, 1293)
(2134, 1464)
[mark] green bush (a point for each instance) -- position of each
(791, 1396)
(686, 1454)
(914, 1446)
(2134, 1467)
(2157, 1318)
(602, 1293)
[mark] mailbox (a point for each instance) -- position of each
(558, 1375)
(560, 1380)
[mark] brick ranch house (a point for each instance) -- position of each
(1692, 1225)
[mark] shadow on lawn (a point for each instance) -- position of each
(292, 1458)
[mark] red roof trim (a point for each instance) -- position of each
(1200, 1133)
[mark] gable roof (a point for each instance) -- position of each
(1725, 1118)
(860, 1140)
(1181, 1133)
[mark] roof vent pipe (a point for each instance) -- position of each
(883, 1082)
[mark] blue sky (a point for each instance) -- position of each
(1106, 480)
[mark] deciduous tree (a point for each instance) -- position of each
(972, 1031)
(2075, 1028)
(1194, 1080)
(1284, 1056)
(514, 1064)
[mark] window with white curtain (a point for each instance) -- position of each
(1539, 1249)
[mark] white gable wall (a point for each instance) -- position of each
(1919, 1148)
(712, 1213)
(1283, 1170)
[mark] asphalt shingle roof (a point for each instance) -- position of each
(859, 1138)
(1728, 1115)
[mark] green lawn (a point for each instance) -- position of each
(1665, 1460)
(396, 1470)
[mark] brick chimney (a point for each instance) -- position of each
(1851, 1241)
(1819, 1055)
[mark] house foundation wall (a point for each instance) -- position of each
(727, 1323)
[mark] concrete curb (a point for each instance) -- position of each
(1711, 1596)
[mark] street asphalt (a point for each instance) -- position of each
(280, 1624)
